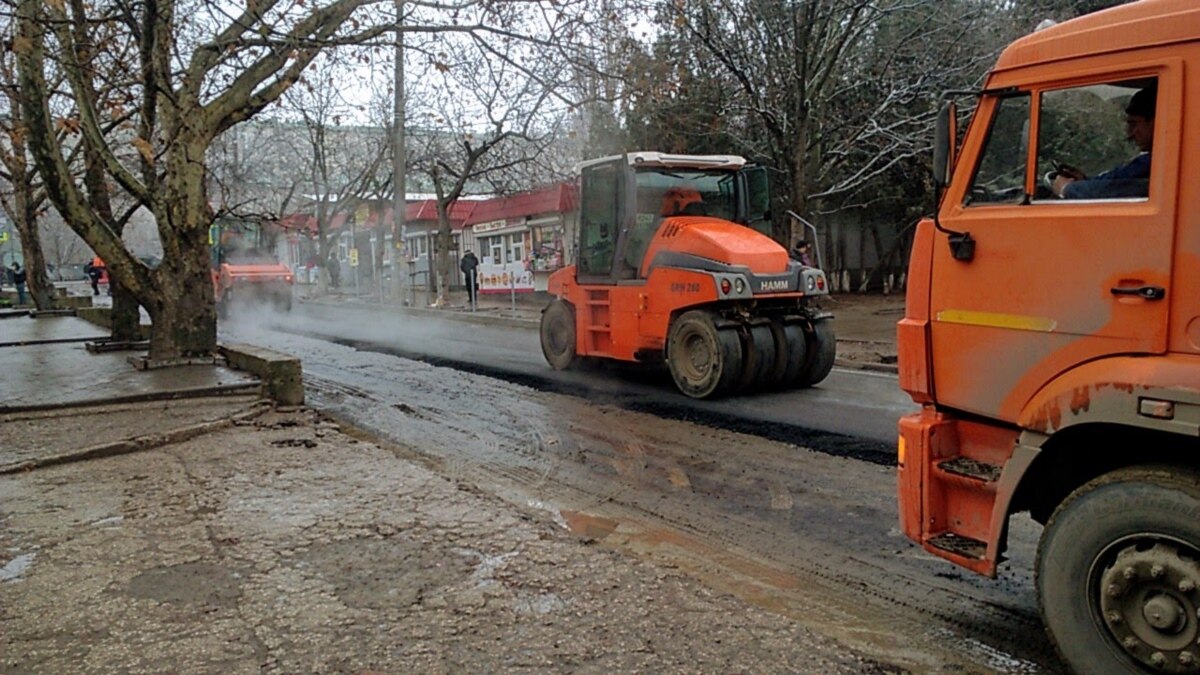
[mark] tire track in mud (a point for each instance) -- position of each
(720, 542)
(838, 445)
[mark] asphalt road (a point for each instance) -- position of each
(858, 404)
(742, 494)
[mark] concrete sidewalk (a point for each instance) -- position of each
(61, 401)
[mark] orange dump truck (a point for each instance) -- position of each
(1052, 334)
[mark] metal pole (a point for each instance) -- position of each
(354, 247)
(512, 286)
(399, 155)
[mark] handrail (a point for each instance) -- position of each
(816, 239)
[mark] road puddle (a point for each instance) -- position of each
(16, 567)
(589, 526)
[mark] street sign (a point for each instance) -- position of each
(354, 257)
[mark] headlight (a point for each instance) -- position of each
(739, 286)
(810, 283)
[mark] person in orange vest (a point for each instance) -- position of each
(101, 272)
(93, 274)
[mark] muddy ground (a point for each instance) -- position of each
(286, 545)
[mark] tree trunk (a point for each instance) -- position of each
(182, 308)
(26, 223)
(125, 316)
(184, 315)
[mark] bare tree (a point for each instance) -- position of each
(495, 116)
(25, 198)
(341, 164)
(199, 68)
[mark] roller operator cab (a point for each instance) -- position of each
(245, 269)
(672, 264)
(1052, 334)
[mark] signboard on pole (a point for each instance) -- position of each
(354, 257)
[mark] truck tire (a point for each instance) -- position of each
(704, 361)
(820, 352)
(1118, 577)
(558, 335)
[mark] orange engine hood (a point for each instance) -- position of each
(719, 240)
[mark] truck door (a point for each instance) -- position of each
(1054, 282)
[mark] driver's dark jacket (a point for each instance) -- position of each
(1128, 180)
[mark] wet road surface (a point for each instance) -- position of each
(801, 521)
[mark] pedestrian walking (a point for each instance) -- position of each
(18, 277)
(93, 273)
(470, 269)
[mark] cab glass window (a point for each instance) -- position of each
(598, 219)
(1000, 175)
(1094, 141)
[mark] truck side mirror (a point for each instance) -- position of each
(944, 137)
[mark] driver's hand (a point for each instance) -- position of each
(1061, 181)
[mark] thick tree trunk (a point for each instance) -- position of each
(184, 316)
(182, 307)
(38, 284)
(125, 316)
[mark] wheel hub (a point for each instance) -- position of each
(700, 356)
(1149, 600)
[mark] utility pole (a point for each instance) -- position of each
(399, 154)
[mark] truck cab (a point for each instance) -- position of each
(1052, 334)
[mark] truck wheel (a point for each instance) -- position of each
(704, 361)
(820, 351)
(758, 359)
(558, 335)
(1118, 573)
(789, 353)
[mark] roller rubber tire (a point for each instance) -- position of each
(558, 336)
(790, 348)
(1110, 533)
(705, 362)
(821, 350)
(758, 359)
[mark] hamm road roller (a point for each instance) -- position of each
(672, 266)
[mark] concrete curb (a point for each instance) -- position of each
(465, 316)
(178, 394)
(888, 368)
(280, 374)
(136, 444)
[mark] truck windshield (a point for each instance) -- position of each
(695, 192)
